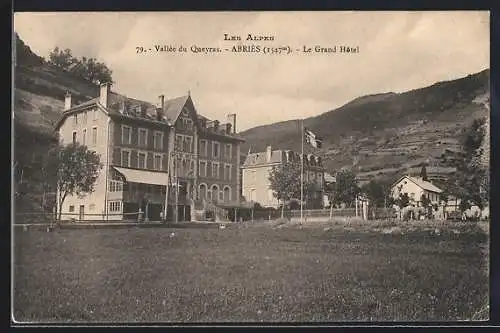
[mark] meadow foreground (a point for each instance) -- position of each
(249, 274)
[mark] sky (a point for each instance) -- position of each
(398, 51)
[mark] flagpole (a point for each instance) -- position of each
(302, 173)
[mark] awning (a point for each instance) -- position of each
(143, 176)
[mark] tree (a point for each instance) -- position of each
(285, 183)
(346, 188)
(87, 68)
(77, 171)
(377, 191)
(403, 200)
(471, 181)
(427, 204)
(61, 58)
(423, 173)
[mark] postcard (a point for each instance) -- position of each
(250, 167)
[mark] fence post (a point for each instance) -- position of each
(139, 215)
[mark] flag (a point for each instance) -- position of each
(312, 139)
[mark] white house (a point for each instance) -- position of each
(416, 187)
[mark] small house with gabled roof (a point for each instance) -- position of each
(415, 187)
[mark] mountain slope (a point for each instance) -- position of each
(39, 90)
(386, 132)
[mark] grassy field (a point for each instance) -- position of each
(259, 273)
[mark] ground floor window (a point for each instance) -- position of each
(71, 209)
(115, 206)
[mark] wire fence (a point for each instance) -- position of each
(49, 217)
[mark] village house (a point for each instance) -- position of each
(155, 157)
(415, 187)
(256, 170)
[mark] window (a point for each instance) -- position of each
(84, 136)
(115, 206)
(214, 192)
(191, 168)
(188, 142)
(203, 148)
(203, 169)
(253, 175)
(178, 142)
(186, 123)
(143, 137)
(215, 170)
(227, 172)
(94, 135)
(215, 150)
(184, 166)
(228, 151)
(75, 119)
(94, 114)
(74, 137)
(202, 192)
(253, 195)
(141, 160)
(85, 117)
(158, 140)
(227, 193)
(115, 186)
(125, 158)
(177, 165)
(157, 162)
(71, 209)
(126, 134)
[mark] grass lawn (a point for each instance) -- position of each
(250, 274)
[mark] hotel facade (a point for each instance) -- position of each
(156, 158)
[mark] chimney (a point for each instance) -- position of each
(269, 152)
(104, 94)
(122, 107)
(159, 114)
(216, 125)
(231, 118)
(161, 101)
(228, 128)
(67, 101)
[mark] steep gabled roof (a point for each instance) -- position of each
(428, 186)
(173, 107)
(123, 106)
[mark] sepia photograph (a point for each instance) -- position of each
(250, 167)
